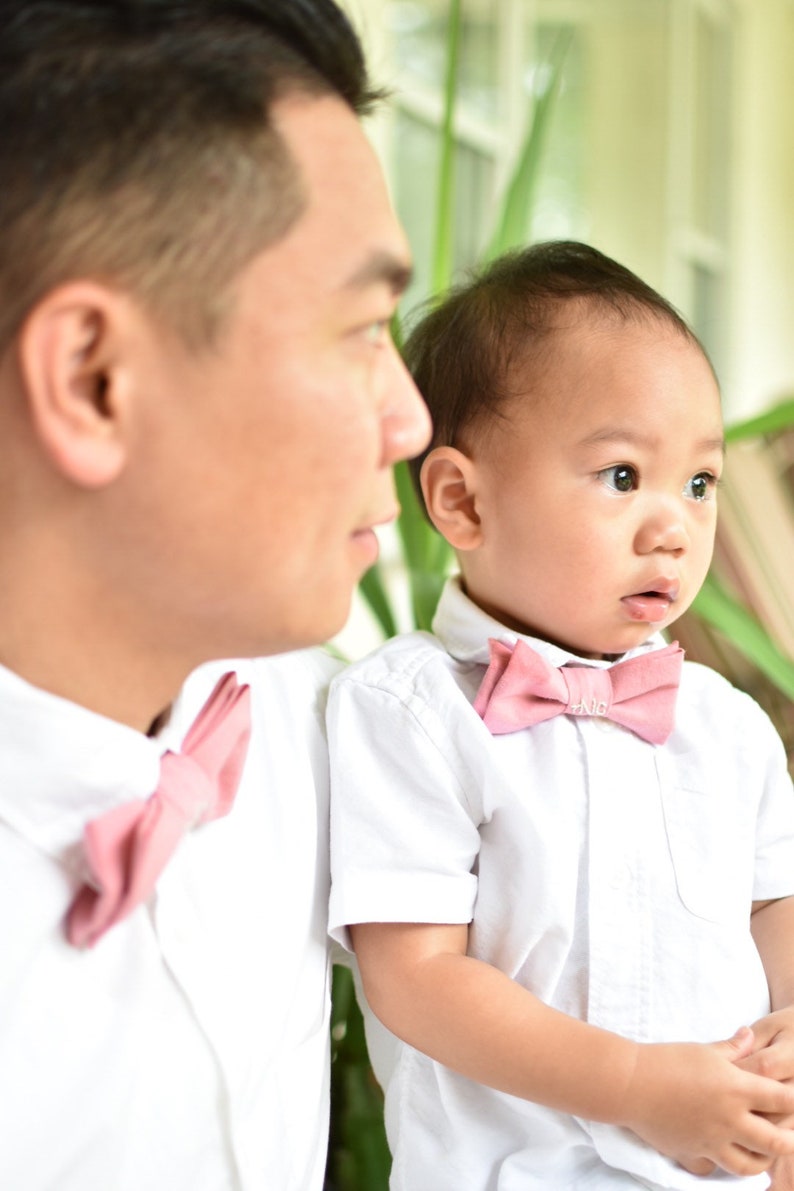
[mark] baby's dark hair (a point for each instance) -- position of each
(463, 354)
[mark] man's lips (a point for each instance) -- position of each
(384, 518)
(366, 539)
(652, 605)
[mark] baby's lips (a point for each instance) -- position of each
(648, 606)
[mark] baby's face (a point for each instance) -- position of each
(597, 496)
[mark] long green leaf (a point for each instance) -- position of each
(415, 533)
(441, 271)
(374, 592)
(719, 609)
(427, 555)
(780, 417)
(513, 224)
(358, 1153)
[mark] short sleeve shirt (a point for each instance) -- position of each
(611, 877)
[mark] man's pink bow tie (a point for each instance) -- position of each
(127, 849)
(520, 688)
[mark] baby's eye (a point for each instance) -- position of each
(620, 478)
(701, 486)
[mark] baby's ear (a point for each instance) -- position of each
(448, 484)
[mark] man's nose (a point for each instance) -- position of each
(406, 421)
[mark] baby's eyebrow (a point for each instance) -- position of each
(712, 444)
(613, 434)
(626, 435)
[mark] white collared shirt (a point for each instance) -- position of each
(612, 878)
(187, 1051)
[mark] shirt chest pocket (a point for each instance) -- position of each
(711, 838)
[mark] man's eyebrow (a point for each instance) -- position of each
(625, 434)
(382, 267)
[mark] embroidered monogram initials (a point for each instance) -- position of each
(594, 707)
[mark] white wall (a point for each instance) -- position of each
(762, 264)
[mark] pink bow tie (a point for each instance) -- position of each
(520, 688)
(127, 849)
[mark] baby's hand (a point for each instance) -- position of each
(782, 1175)
(774, 1057)
(773, 1052)
(694, 1103)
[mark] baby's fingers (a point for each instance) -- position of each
(774, 1062)
(739, 1161)
(769, 1097)
(759, 1140)
(696, 1165)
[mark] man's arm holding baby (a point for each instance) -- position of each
(690, 1101)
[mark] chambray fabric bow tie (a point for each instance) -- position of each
(127, 849)
(520, 688)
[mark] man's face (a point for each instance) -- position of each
(597, 496)
(269, 455)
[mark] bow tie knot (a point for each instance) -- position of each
(520, 689)
(127, 848)
(187, 789)
(589, 691)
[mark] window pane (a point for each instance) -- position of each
(558, 210)
(710, 141)
(419, 28)
(415, 190)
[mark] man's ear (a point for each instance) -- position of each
(448, 484)
(67, 356)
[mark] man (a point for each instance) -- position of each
(200, 408)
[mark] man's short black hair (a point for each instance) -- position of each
(137, 144)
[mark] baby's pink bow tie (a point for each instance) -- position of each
(520, 688)
(127, 849)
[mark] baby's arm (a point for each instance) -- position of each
(687, 1100)
(772, 926)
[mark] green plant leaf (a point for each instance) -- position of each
(358, 1154)
(780, 417)
(374, 592)
(512, 227)
(415, 532)
(441, 271)
(724, 613)
(425, 591)
(427, 555)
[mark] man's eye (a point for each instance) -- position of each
(375, 333)
(701, 486)
(620, 478)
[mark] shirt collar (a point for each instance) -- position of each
(464, 630)
(62, 765)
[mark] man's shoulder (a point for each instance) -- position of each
(287, 684)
